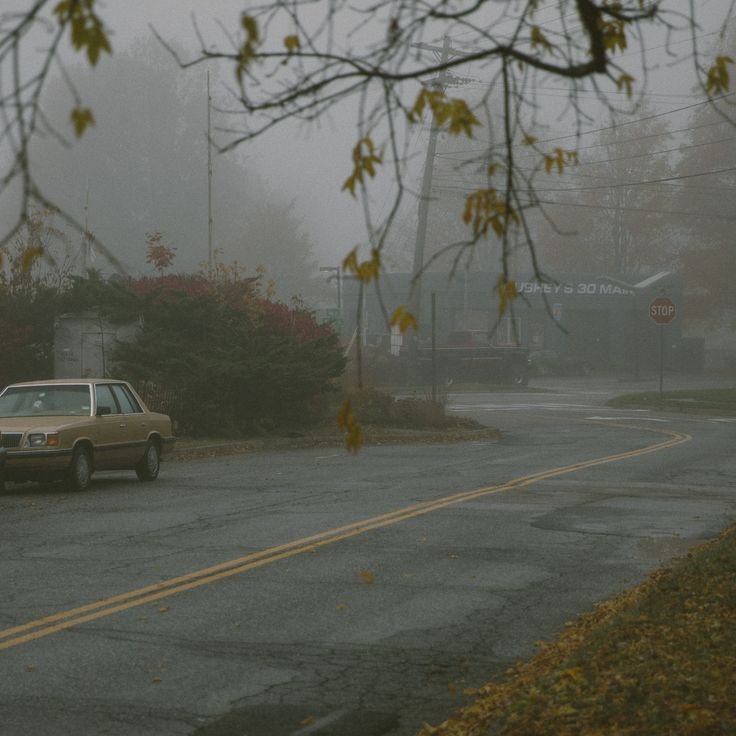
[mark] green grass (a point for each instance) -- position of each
(716, 402)
(657, 661)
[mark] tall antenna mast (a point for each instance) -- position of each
(85, 243)
(209, 181)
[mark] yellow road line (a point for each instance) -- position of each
(63, 620)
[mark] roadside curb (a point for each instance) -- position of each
(285, 444)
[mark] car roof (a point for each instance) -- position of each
(67, 382)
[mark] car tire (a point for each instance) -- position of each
(79, 475)
(147, 469)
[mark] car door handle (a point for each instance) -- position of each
(123, 426)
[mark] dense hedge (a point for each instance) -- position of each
(228, 360)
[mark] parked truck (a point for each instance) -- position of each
(470, 357)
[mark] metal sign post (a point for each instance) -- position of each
(662, 310)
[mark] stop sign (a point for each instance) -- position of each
(662, 310)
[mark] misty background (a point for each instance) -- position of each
(278, 204)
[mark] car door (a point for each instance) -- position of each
(109, 452)
(133, 423)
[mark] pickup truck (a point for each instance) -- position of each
(467, 358)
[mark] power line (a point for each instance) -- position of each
(619, 209)
(651, 153)
(725, 218)
(450, 154)
(612, 127)
(636, 183)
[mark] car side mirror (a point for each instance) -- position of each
(103, 410)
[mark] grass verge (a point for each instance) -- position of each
(716, 402)
(658, 660)
(384, 419)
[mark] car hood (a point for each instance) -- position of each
(46, 423)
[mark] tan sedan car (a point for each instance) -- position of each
(67, 429)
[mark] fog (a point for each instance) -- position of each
(277, 201)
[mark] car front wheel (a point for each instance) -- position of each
(147, 469)
(79, 474)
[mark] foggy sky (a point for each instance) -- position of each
(307, 165)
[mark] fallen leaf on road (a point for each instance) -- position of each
(367, 576)
(307, 721)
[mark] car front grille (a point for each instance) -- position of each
(10, 439)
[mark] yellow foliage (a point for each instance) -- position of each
(507, 292)
(718, 78)
(529, 140)
(484, 210)
(347, 423)
(560, 159)
(403, 318)
(86, 28)
(364, 161)
(658, 660)
(613, 34)
(292, 44)
(365, 271)
(453, 113)
(625, 82)
(30, 256)
(539, 39)
(81, 118)
(248, 49)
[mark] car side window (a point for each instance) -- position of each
(128, 405)
(105, 398)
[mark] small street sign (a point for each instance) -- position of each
(662, 310)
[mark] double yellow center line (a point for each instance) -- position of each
(37, 629)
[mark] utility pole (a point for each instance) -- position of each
(209, 181)
(443, 54)
(423, 215)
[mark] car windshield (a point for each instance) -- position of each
(28, 401)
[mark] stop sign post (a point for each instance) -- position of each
(662, 310)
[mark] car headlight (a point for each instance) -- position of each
(43, 439)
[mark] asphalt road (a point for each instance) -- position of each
(312, 592)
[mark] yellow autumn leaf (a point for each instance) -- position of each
(507, 292)
(718, 80)
(30, 256)
(368, 577)
(292, 44)
(347, 423)
(528, 140)
(307, 721)
(250, 25)
(365, 159)
(539, 39)
(354, 438)
(625, 82)
(81, 118)
(366, 271)
(403, 319)
(452, 113)
(87, 31)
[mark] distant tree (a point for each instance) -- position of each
(614, 225)
(159, 255)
